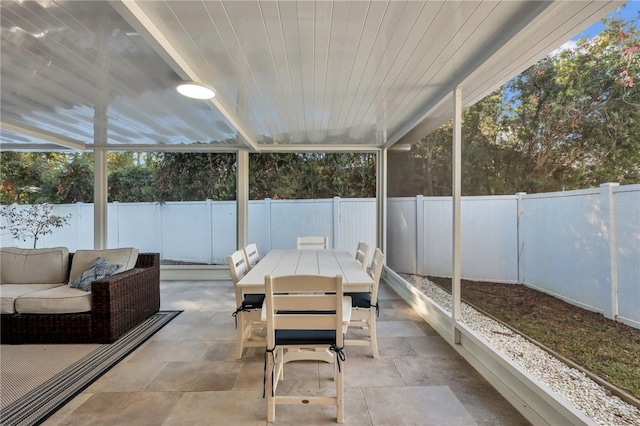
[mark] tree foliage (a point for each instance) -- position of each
(311, 175)
(570, 121)
(195, 176)
(134, 177)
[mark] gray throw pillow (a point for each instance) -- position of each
(96, 271)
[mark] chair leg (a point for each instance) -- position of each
(280, 365)
(271, 403)
(340, 395)
(373, 333)
(240, 335)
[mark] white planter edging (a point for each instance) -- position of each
(532, 398)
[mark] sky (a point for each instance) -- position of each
(627, 12)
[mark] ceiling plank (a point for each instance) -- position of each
(147, 22)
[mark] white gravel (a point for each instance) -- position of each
(585, 394)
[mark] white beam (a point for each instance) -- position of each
(381, 199)
(42, 134)
(242, 198)
(319, 148)
(234, 148)
(100, 196)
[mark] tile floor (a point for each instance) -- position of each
(186, 375)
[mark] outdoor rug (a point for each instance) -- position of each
(36, 380)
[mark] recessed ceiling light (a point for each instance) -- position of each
(196, 90)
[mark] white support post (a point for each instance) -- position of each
(267, 206)
(420, 266)
(211, 229)
(100, 199)
(457, 200)
(381, 199)
(336, 223)
(115, 211)
(609, 217)
(242, 198)
(519, 239)
(100, 140)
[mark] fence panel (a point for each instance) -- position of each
(489, 238)
(186, 231)
(136, 225)
(564, 244)
(291, 219)
(223, 234)
(402, 235)
(627, 223)
(259, 224)
(437, 242)
(356, 222)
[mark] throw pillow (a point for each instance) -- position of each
(96, 271)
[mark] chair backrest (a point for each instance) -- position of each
(299, 302)
(313, 243)
(362, 254)
(251, 255)
(237, 266)
(376, 270)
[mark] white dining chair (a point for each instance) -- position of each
(313, 243)
(364, 307)
(251, 255)
(362, 254)
(304, 312)
(249, 308)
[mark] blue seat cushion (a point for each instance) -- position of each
(360, 300)
(253, 301)
(305, 337)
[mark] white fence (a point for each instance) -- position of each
(205, 231)
(582, 246)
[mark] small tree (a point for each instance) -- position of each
(33, 221)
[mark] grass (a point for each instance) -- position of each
(607, 348)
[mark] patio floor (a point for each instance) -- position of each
(186, 374)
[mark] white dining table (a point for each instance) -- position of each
(281, 262)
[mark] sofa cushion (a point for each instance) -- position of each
(34, 266)
(10, 292)
(96, 271)
(82, 259)
(58, 300)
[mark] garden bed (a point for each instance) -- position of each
(528, 312)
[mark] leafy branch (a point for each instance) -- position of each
(32, 222)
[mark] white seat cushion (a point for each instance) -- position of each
(34, 266)
(10, 292)
(82, 259)
(58, 300)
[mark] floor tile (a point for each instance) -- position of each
(123, 408)
(367, 372)
(196, 376)
(158, 350)
(398, 329)
(226, 408)
(424, 406)
(128, 377)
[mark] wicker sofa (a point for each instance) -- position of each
(116, 304)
